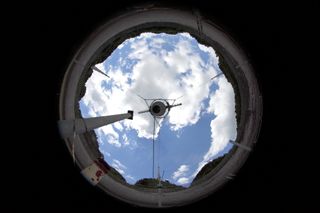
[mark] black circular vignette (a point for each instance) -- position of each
(268, 180)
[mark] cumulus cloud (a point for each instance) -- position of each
(163, 73)
(131, 178)
(223, 127)
(109, 135)
(118, 166)
(107, 154)
(180, 175)
(181, 171)
(183, 180)
(125, 140)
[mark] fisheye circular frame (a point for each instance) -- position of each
(100, 45)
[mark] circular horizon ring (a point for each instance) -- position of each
(105, 39)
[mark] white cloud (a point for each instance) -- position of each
(129, 142)
(108, 132)
(146, 35)
(186, 35)
(181, 171)
(120, 46)
(170, 75)
(125, 140)
(118, 126)
(120, 79)
(223, 127)
(163, 82)
(107, 154)
(183, 180)
(116, 164)
(130, 177)
(95, 96)
(152, 77)
(157, 42)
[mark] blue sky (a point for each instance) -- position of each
(162, 66)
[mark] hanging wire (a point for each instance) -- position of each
(145, 100)
(158, 144)
(154, 124)
(155, 121)
(174, 100)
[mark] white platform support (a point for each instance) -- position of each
(68, 128)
